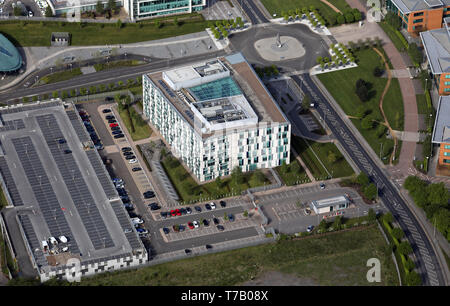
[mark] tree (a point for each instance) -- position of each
(413, 279)
(48, 12)
(83, 91)
(413, 182)
(64, 94)
(438, 194)
(349, 18)
(332, 19)
(331, 157)
(119, 23)
(409, 264)
(175, 21)
(357, 15)
(99, 7)
(258, 177)
(441, 220)
(367, 123)
(362, 179)
(55, 94)
(237, 176)
(361, 111)
(245, 213)
(218, 182)
(92, 90)
(25, 99)
(370, 191)
(323, 225)
(415, 54)
(371, 215)
(397, 233)
(35, 98)
(112, 5)
(340, 19)
(381, 129)
(404, 248)
(337, 224)
(377, 72)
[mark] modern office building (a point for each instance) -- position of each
(10, 59)
(216, 115)
(436, 44)
(64, 210)
(441, 134)
(60, 7)
(420, 15)
(140, 9)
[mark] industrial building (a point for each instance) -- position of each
(330, 204)
(216, 115)
(69, 215)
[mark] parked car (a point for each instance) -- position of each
(178, 212)
(106, 110)
(188, 210)
(173, 213)
(128, 153)
(136, 169)
(198, 208)
(61, 140)
(128, 157)
(195, 223)
(149, 194)
(125, 149)
(132, 161)
(222, 204)
(213, 206)
(119, 136)
(310, 228)
(208, 247)
(133, 215)
(182, 228)
(220, 228)
(190, 225)
(109, 117)
(166, 230)
(183, 211)
(112, 121)
(154, 206)
(67, 151)
(207, 206)
(115, 128)
(322, 186)
(216, 221)
(205, 222)
(117, 132)
(230, 217)
(142, 230)
(137, 220)
(163, 214)
(113, 124)
(187, 251)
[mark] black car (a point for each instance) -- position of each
(117, 132)
(216, 221)
(183, 211)
(122, 191)
(220, 227)
(108, 117)
(119, 136)
(128, 157)
(115, 128)
(67, 151)
(223, 204)
(149, 196)
(127, 153)
(208, 207)
(163, 214)
(136, 169)
(62, 140)
(125, 149)
(181, 228)
(188, 210)
(108, 99)
(154, 206)
(129, 207)
(166, 230)
(126, 200)
(198, 208)
(205, 222)
(148, 192)
(208, 247)
(187, 251)
(230, 217)
(133, 215)
(112, 121)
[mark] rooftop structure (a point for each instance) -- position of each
(10, 59)
(330, 204)
(59, 187)
(408, 6)
(437, 47)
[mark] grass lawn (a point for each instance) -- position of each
(117, 64)
(344, 93)
(422, 107)
(294, 172)
(306, 150)
(190, 191)
(276, 6)
(60, 76)
(336, 259)
(141, 131)
(38, 34)
(393, 36)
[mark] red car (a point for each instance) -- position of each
(113, 124)
(191, 226)
(178, 212)
(173, 213)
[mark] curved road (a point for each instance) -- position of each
(426, 262)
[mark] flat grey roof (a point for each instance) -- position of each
(408, 6)
(330, 201)
(441, 131)
(61, 194)
(437, 48)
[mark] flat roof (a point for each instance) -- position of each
(10, 59)
(437, 48)
(182, 74)
(242, 75)
(61, 193)
(330, 201)
(408, 6)
(441, 131)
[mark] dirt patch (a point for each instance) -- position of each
(275, 278)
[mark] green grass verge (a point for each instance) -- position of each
(306, 150)
(117, 64)
(293, 173)
(422, 107)
(136, 130)
(335, 259)
(276, 6)
(393, 106)
(189, 191)
(395, 36)
(38, 34)
(60, 76)
(3, 201)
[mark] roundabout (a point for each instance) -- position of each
(279, 48)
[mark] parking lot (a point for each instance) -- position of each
(135, 183)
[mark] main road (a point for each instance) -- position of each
(426, 262)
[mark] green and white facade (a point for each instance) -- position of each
(213, 135)
(139, 9)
